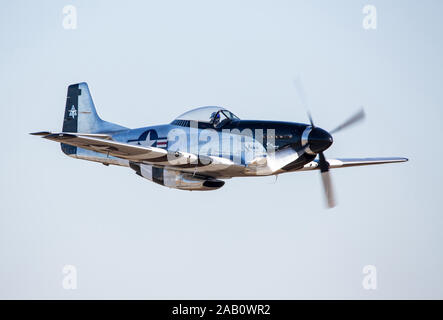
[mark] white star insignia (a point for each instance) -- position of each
(72, 112)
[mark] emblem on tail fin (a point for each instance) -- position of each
(73, 112)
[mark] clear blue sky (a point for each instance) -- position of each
(147, 62)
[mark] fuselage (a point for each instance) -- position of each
(239, 140)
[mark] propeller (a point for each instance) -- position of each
(357, 117)
(310, 118)
(326, 180)
(324, 140)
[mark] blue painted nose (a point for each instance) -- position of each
(319, 140)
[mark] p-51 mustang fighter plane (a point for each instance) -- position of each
(201, 147)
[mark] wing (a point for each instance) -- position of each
(92, 135)
(105, 144)
(353, 162)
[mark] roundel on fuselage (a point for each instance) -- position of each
(148, 138)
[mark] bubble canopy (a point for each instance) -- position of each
(206, 114)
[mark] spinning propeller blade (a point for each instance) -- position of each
(327, 182)
(302, 95)
(310, 119)
(360, 115)
(323, 163)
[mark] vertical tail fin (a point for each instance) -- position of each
(80, 113)
(81, 116)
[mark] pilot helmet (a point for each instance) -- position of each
(215, 118)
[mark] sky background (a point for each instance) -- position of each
(147, 62)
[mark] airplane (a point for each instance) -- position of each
(202, 147)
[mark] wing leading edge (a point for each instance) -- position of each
(353, 162)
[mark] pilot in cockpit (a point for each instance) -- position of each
(215, 118)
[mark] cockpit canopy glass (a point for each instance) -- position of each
(207, 114)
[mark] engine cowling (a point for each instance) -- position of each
(176, 179)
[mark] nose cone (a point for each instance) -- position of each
(319, 140)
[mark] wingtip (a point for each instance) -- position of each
(40, 133)
(399, 159)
